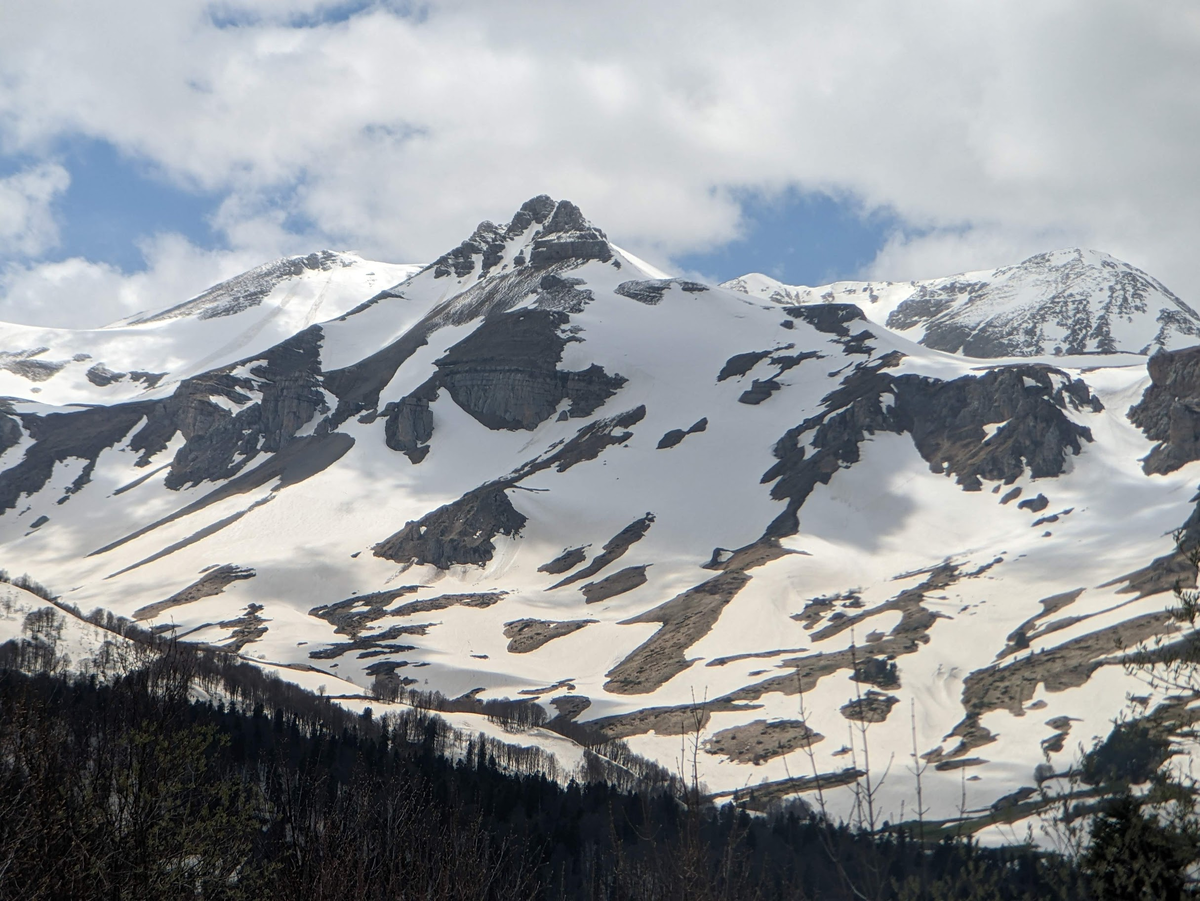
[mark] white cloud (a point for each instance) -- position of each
(992, 127)
(27, 226)
(77, 293)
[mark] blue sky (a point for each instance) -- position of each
(148, 150)
(115, 202)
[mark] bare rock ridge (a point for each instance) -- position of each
(1169, 411)
(248, 289)
(946, 420)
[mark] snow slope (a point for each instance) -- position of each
(1062, 302)
(534, 469)
(241, 316)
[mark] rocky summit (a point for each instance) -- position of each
(536, 468)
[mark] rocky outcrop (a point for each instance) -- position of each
(101, 376)
(1169, 411)
(56, 437)
(218, 442)
(618, 583)
(505, 373)
(613, 550)
(211, 583)
(946, 421)
(569, 236)
(651, 291)
(248, 289)
(458, 533)
(675, 436)
(758, 741)
(567, 560)
(527, 635)
(685, 620)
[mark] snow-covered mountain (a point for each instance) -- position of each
(1064, 302)
(244, 315)
(536, 468)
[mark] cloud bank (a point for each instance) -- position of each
(990, 130)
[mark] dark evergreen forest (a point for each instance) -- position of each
(128, 787)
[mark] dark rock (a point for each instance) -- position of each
(211, 583)
(537, 209)
(1011, 495)
(651, 291)
(409, 423)
(567, 560)
(873, 707)
(527, 635)
(946, 421)
(589, 442)
(671, 438)
(459, 532)
(505, 372)
(149, 379)
(353, 615)
(101, 376)
(568, 236)
(1169, 411)
(675, 436)
(1034, 504)
(563, 294)
(759, 391)
(685, 619)
(218, 443)
(740, 364)
(39, 522)
(613, 549)
(618, 583)
(759, 741)
(832, 318)
(82, 434)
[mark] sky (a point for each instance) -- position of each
(149, 149)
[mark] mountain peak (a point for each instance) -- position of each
(565, 235)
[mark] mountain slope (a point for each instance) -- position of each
(241, 316)
(1063, 302)
(535, 469)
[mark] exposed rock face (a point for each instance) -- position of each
(505, 372)
(618, 583)
(946, 421)
(101, 376)
(211, 583)
(759, 741)
(82, 434)
(613, 549)
(873, 707)
(740, 364)
(1169, 411)
(675, 436)
(568, 236)
(527, 635)
(685, 620)
(248, 289)
(353, 615)
(461, 532)
(219, 443)
(567, 560)
(409, 424)
(651, 291)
